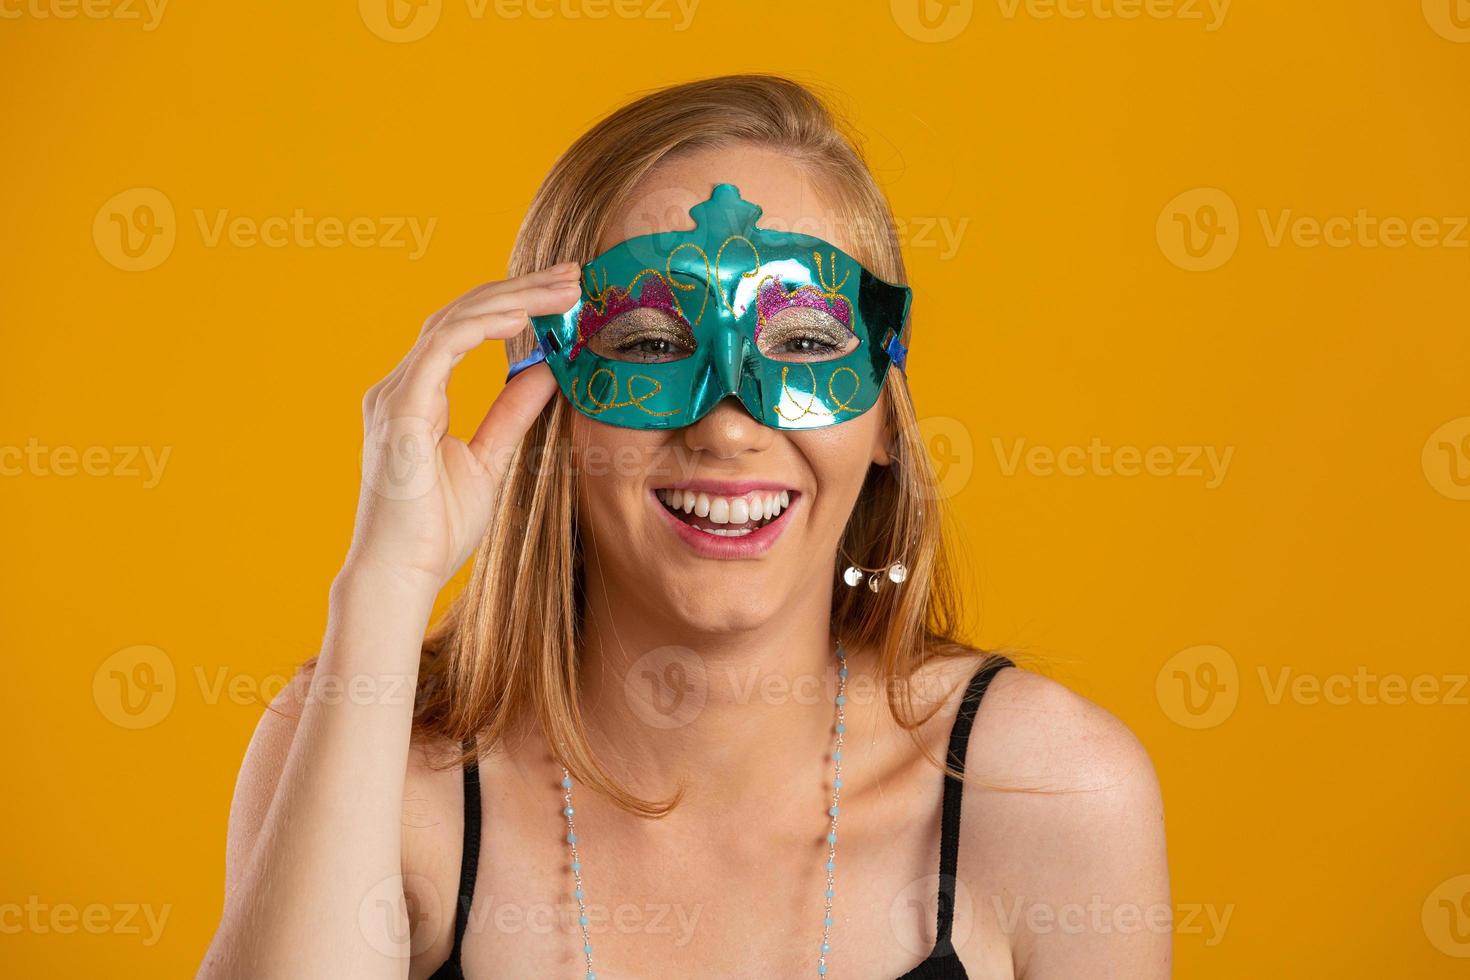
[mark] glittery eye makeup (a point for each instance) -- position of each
(615, 303)
(802, 333)
(772, 299)
(644, 335)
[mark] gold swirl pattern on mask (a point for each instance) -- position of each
(839, 404)
(601, 297)
(744, 275)
(827, 294)
(634, 400)
(669, 276)
(822, 278)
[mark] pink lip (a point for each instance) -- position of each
(727, 488)
(713, 546)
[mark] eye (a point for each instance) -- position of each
(800, 333)
(645, 336)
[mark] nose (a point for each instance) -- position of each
(727, 430)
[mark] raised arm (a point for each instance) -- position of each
(313, 863)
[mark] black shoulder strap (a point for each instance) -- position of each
(469, 861)
(949, 826)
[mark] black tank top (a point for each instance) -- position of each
(941, 964)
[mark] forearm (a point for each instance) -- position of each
(317, 895)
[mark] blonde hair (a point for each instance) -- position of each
(506, 650)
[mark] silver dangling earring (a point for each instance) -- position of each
(895, 571)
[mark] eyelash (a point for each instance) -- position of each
(822, 343)
(628, 344)
(823, 346)
(634, 345)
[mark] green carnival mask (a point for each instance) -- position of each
(669, 324)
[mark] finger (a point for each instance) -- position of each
(562, 272)
(536, 299)
(426, 363)
(426, 376)
(510, 416)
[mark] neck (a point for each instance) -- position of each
(732, 714)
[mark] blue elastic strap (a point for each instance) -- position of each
(897, 352)
(536, 355)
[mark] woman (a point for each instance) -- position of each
(662, 699)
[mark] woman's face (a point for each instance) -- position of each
(643, 559)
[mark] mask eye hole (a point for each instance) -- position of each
(643, 336)
(801, 333)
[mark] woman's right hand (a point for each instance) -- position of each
(427, 496)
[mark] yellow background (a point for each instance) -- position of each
(1049, 149)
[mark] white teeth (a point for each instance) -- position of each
(758, 506)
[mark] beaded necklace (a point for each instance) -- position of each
(841, 728)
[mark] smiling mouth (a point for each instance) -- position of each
(726, 517)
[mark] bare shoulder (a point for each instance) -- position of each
(1063, 817)
(260, 772)
(1038, 733)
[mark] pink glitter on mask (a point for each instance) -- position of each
(771, 299)
(655, 295)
